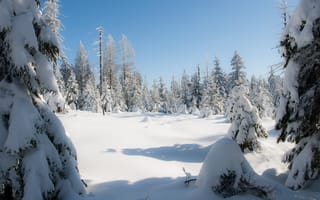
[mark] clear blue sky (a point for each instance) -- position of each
(172, 35)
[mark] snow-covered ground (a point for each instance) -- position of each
(133, 156)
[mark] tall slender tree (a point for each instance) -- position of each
(110, 69)
(70, 84)
(127, 54)
(196, 89)
(237, 76)
(87, 99)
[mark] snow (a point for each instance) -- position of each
(307, 11)
(224, 155)
(4, 15)
(141, 156)
(45, 73)
(36, 175)
(23, 118)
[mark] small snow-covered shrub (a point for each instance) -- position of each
(227, 172)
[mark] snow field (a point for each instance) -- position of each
(141, 156)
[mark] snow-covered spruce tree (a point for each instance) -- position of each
(245, 128)
(117, 99)
(163, 95)
(127, 63)
(220, 79)
(237, 76)
(106, 99)
(212, 102)
(275, 88)
(38, 160)
(186, 97)
(196, 88)
(261, 98)
(299, 113)
(87, 99)
(50, 17)
(146, 98)
(136, 104)
(227, 172)
(109, 75)
(156, 102)
(110, 66)
(70, 84)
(174, 97)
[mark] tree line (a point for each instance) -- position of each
(123, 89)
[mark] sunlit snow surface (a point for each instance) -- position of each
(133, 156)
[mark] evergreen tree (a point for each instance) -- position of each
(174, 97)
(275, 88)
(118, 100)
(212, 102)
(136, 104)
(299, 111)
(70, 84)
(163, 95)
(127, 54)
(220, 80)
(245, 127)
(262, 99)
(186, 97)
(88, 97)
(146, 98)
(50, 17)
(110, 69)
(38, 159)
(196, 88)
(156, 102)
(237, 76)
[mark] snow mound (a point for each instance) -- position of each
(146, 119)
(227, 172)
(224, 155)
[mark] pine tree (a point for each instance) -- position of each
(146, 98)
(186, 97)
(237, 76)
(70, 84)
(38, 159)
(87, 99)
(127, 54)
(174, 97)
(245, 127)
(212, 102)
(261, 98)
(196, 88)
(163, 95)
(110, 69)
(220, 80)
(50, 17)
(136, 104)
(275, 88)
(299, 111)
(156, 102)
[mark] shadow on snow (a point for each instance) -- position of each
(179, 152)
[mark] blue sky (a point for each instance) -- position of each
(172, 35)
